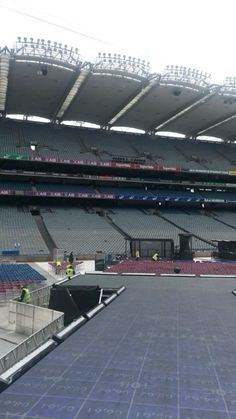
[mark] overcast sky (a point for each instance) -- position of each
(198, 34)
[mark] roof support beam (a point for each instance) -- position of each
(4, 71)
(80, 80)
(198, 102)
(217, 124)
(145, 88)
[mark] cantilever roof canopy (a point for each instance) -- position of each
(52, 82)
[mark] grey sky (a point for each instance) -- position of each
(198, 34)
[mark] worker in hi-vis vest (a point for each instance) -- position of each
(58, 267)
(25, 295)
(69, 271)
(155, 257)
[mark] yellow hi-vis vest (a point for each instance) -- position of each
(69, 272)
(27, 297)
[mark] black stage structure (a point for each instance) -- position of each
(164, 349)
(147, 247)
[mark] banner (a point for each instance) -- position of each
(119, 165)
(13, 156)
(89, 195)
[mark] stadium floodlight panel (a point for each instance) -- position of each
(73, 92)
(133, 101)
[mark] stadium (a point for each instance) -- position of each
(89, 169)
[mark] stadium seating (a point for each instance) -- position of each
(17, 186)
(20, 227)
(197, 222)
(225, 216)
(14, 276)
(59, 187)
(86, 232)
(75, 230)
(89, 144)
(140, 225)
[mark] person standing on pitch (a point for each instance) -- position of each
(155, 257)
(71, 258)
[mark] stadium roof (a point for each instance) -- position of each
(38, 78)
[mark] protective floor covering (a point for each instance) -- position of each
(164, 349)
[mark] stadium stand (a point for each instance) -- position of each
(77, 143)
(227, 217)
(160, 350)
(58, 187)
(17, 186)
(14, 276)
(19, 227)
(197, 222)
(83, 233)
(139, 225)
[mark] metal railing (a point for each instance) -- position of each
(41, 296)
(30, 344)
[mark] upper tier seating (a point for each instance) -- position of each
(87, 144)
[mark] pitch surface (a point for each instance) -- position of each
(164, 349)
